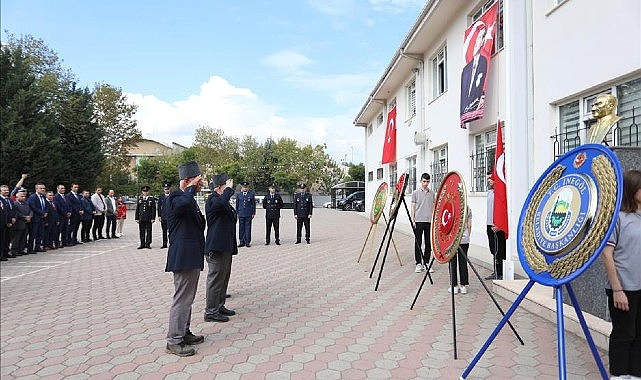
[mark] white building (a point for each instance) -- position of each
(551, 57)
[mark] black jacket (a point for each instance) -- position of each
(272, 204)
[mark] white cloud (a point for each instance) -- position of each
(288, 62)
(238, 112)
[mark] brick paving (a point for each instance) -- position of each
(100, 311)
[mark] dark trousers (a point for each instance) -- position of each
(110, 230)
(53, 235)
(496, 242)
(217, 280)
(64, 227)
(625, 338)
(460, 261)
(421, 231)
(275, 222)
(5, 237)
(86, 227)
(36, 236)
(163, 224)
(300, 221)
(145, 233)
(98, 223)
(74, 224)
(245, 229)
(19, 240)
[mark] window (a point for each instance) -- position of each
(439, 166)
(411, 99)
(575, 118)
(629, 109)
(439, 72)
(392, 178)
(482, 159)
(379, 119)
(411, 168)
(379, 173)
(370, 176)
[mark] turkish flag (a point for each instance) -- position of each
(389, 146)
(500, 190)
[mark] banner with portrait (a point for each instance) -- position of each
(478, 42)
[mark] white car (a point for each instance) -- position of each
(327, 204)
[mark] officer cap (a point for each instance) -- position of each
(145, 188)
(302, 186)
(219, 179)
(167, 185)
(189, 170)
(272, 185)
(244, 183)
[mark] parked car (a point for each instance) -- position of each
(129, 200)
(359, 205)
(327, 204)
(347, 203)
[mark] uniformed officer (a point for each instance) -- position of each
(303, 207)
(163, 221)
(272, 203)
(145, 216)
(246, 209)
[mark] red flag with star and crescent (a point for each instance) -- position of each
(389, 146)
(500, 189)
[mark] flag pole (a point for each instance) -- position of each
(508, 263)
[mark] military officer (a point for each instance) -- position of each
(272, 203)
(145, 216)
(246, 209)
(163, 222)
(303, 207)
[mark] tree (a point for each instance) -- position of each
(357, 172)
(113, 115)
(214, 150)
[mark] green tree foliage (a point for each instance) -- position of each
(357, 172)
(113, 115)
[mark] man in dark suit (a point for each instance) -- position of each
(473, 77)
(303, 207)
(73, 199)
(185, 257)
(163, 222)
(52, 229)
(272, 203)
(145, 216)
(246, 208)
(64, 213)
(8, 224)
(220, 245)
(23, 223)
(38, 205)
(87, 216)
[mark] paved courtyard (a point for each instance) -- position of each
(100, 311)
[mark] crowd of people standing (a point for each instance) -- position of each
(47, 220)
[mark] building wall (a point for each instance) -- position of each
(552, 54)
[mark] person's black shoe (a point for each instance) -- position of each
(227, 295)
(241, 245)
(108, 237)
(141, 247)
(248, 245)
(307, 241)
(180, 349)
(148, 247)
(297, 242)
(2, 258)
(491, 277)
(277, 242)
(216, 318)
(9, 255)
(79, 242)
(101, 237)
(266, 243)
(192, 339)
(164, 246)
(225, 311)
(115, 237)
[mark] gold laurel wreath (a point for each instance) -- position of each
(604, 173)
(462, 215)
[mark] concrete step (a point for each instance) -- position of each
(540, 301)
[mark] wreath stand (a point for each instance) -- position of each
(373, 226)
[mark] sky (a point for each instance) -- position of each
(300, 69)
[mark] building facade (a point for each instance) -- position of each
(550, 60)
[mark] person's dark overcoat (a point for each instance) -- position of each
(186, 226)
(221, 223)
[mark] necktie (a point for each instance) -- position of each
(104, 206)
(42, 202)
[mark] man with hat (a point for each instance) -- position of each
(185, 257)
(272, 203)
(303, 207)
(145, 216)
(163, 222)
(220, 245)
(246, 208)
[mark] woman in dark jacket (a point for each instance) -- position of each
(220, 245)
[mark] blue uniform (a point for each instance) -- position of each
(246, 209)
